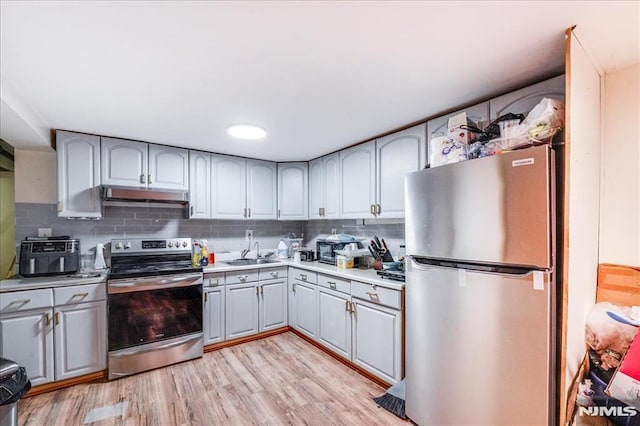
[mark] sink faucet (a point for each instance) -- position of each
(244, 252)
(256, 246)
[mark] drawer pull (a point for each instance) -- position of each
(332, 285)
(20, 302)
(274, 274)
(303, 277)
(243, 278)
(206, 297)
(293, 287)
(82, 295)
(56, 317)
(47, 319)
(257, 290)
(373, 295)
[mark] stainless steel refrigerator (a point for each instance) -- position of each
(480, 291)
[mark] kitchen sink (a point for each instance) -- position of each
(242, 262)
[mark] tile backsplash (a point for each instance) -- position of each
(223, 235)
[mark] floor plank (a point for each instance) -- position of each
(273, 381)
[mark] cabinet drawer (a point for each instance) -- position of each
(377, 294)
(306, 276)
(273, 273)
(242, 276)
(334, 283)
(15, 301)
(79, 293)
(213, 279)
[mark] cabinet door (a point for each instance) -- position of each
(439, 126)
(397, 155)
(123, 162)
(377, 340)
(293, 197)
(78, 175)
(214, 308)
(306, 308)
(27, 338)
(332, 186)
(228, 187)
(316, 188)
(199, 185)
(168, 167)
(81, 339)
(273, 304)
(261, 190)
(334, 321)
(241, 308)
(522, 101)
(358, 174)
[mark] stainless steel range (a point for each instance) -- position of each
(155, 305)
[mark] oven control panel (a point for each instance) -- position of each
(158, 245)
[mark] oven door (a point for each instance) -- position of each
(150, 309)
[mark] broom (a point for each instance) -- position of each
(393, 400)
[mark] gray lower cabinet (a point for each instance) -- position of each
(304, 317)
(273, 304)
(377, 339)
(241, 310)
(55, 334)
(214, 314)
(80, 339)
(334, 321)
(27, 338)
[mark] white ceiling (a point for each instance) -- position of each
(318, 76)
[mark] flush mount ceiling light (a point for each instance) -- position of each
(246, 131)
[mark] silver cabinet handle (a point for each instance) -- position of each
(149, 178)
(56, 318)
(378, 208)
(191, 208)
(142, 178)
(303, 277)
(293, 287)
(206, 297)
(243, 278)
(278, 213)
(82, 295)
(347, 306)
(332, 285)
(47, 319)
(319, 211)
(20, 302)
(249, 210)
(274, 274)
(257, 290)
(372, 293)
(372, 209)
(244, 214)
(261, 289)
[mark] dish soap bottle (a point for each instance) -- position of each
(99, 263)
(196, 254)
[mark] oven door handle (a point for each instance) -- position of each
(138, 349)
(154, 283)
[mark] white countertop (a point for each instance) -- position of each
(21, 283)
(362, 275)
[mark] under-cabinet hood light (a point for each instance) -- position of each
(247, 131)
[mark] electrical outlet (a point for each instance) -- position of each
(333, 231)
(248, 235)
(44, 232)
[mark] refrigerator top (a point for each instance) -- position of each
(497, 210)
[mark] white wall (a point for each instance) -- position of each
(35, 175)
(620, 203)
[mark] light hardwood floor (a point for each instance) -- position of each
(277, 380)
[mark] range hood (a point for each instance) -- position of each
(144, 195)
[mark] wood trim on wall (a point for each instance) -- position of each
(234, 342)
(48, 387)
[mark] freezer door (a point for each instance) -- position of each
(479, 347)
(490, 210)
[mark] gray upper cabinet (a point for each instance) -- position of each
(324, 187)
(199, 185)
(78, 158)
(524, 100)
(262, 178)
(229, 187)
(358, 174)
(124, 163)
(130, 163)
(293, 185)
(396, 155)
(168, 167)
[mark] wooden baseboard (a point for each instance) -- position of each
(48, 387)
(345, 361)
(228, 343)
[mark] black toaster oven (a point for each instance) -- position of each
(326, 250)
